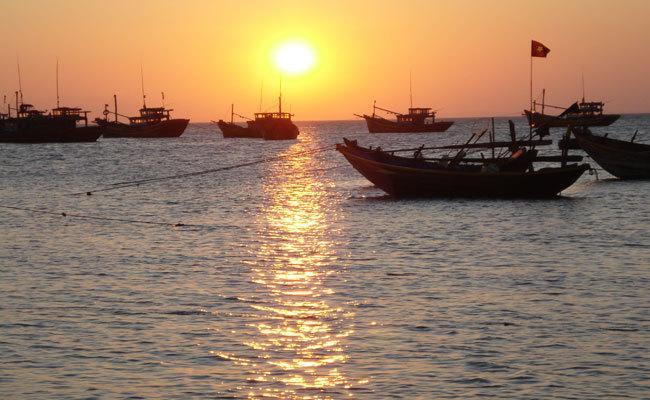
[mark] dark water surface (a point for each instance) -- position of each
(296, 278)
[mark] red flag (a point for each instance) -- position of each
(538, 50)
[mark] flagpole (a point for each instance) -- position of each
(531, 82)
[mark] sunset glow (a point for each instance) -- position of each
(467, 58)
(294, 57)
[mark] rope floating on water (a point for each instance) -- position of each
(126, 184)
(94, 217)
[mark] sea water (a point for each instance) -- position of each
(296, 278)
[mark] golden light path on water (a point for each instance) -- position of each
(300, 332)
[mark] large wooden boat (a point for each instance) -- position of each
(416, 120)
(577, 114)
(34, 126)
(153, 122)
(623, 159)
(274, 125)
(233, 130)
(419, 177)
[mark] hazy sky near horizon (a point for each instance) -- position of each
(467, 58)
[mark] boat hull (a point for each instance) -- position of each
(162, 129)
(231, 130)
(536, 119)
(622, 159)
(421, 181)
(46, 134)
(275, 129)
(381, 125)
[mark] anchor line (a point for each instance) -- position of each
(95, 217)
(126, 184)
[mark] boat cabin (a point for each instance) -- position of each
(273, 115)
(416, 115)
(28, 110)
(150, 115)
(592, 107)
(75, 113)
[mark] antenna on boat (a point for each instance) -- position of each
(583, 86)
(280, 97)
(144, 97)
(374, 107)
(232, 112)
(57, 83)
(115, 105)
(411, 87)
(20, 83)
(261, 92)
(163, 98)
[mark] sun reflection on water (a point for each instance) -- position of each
(300, 330)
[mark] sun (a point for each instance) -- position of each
(294, 57)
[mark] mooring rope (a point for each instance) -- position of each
(138, 182)
(94, 217)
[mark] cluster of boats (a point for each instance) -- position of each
(511, 171)
(26, 124)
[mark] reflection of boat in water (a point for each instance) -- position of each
(501, 177)
(33, 126)
(233, 130)
(416, 120)
(153, 122)
(577, 114)
(623, 159)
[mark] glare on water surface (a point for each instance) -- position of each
(299, 330)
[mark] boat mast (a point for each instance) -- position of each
(543, 98)
(583, 86)
(144, 97)
(411, 87)
(261, 94)
(57, 83)
(232, 112)
(374, 107)
(280, 97)
(492, 137)
(20, 83)
(115, 105)
(163, 98)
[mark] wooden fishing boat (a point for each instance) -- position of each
(233, 130)
(418, 177)
(274, 125)
(34, 126)
(153, 122)
(265, 125)
(577, 114)
(417, 119)
(623, 159)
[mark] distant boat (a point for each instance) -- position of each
(577, 114)
(416, 120)
(623, 159)
(265, 125)
(506, 177)
(233, 130)
(153, 122)
(33, 126)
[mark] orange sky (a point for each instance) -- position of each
(468, 58)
